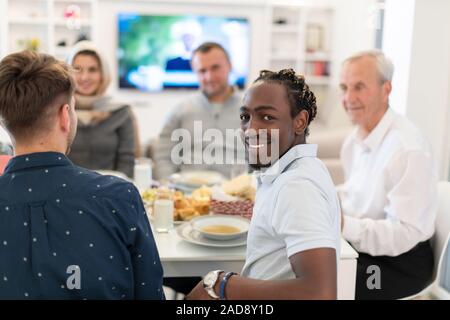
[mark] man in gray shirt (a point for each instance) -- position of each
(216, 107)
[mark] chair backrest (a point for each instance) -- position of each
(441, 287)
(442, 222)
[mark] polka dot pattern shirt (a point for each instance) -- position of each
(70, 233)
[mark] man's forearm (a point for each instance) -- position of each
(241, 288)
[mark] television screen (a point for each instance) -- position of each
(155, 51)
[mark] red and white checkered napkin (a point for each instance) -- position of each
(243, 208)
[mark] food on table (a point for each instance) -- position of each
(201, 201)
(196, 205)
(241, 187)
(148, 196)
(185, 208)
(202, 193)
(221, 229)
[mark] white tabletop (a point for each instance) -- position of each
(180, 258)
(172, 247)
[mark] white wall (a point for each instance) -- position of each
(4, 137)
(417, 37)
(397, 44)
(3, 28)
(352, 32)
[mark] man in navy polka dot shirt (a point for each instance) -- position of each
(65, 232)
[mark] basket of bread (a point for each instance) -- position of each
(188, 207)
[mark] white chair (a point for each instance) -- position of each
(442, 237)
(438, 289)
(440, 240)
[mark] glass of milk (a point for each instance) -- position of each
(163, 210)
(143, 173)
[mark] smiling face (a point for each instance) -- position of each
(212, 69)
(88, 75)
(266, 108)
(364, 95)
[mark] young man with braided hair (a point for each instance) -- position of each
(293, 241)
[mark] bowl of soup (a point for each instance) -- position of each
(221, 227)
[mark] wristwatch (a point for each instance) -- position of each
(209, 281)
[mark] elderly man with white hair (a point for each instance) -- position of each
(389, 197)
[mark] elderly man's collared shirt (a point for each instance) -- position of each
(389, 197)
(296, 209)
(69, 233)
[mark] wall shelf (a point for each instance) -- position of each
(284, 29)
(300, 38)
(29, 21)
(317, 56)
(43, 24)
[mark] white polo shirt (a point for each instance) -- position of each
(296, 209)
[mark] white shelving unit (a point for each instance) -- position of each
(301, 40)
(44, 25)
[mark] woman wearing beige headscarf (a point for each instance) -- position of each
(106, 135)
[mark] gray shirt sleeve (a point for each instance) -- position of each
(164, 165)
(126, 148)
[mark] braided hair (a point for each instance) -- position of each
(298, 93)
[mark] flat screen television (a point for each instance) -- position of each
(154, 51)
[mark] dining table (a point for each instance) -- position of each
(181, 258)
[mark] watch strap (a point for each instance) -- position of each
(223, 284)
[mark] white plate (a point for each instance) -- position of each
(186, 232)
(197, 178)
(238, 222)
